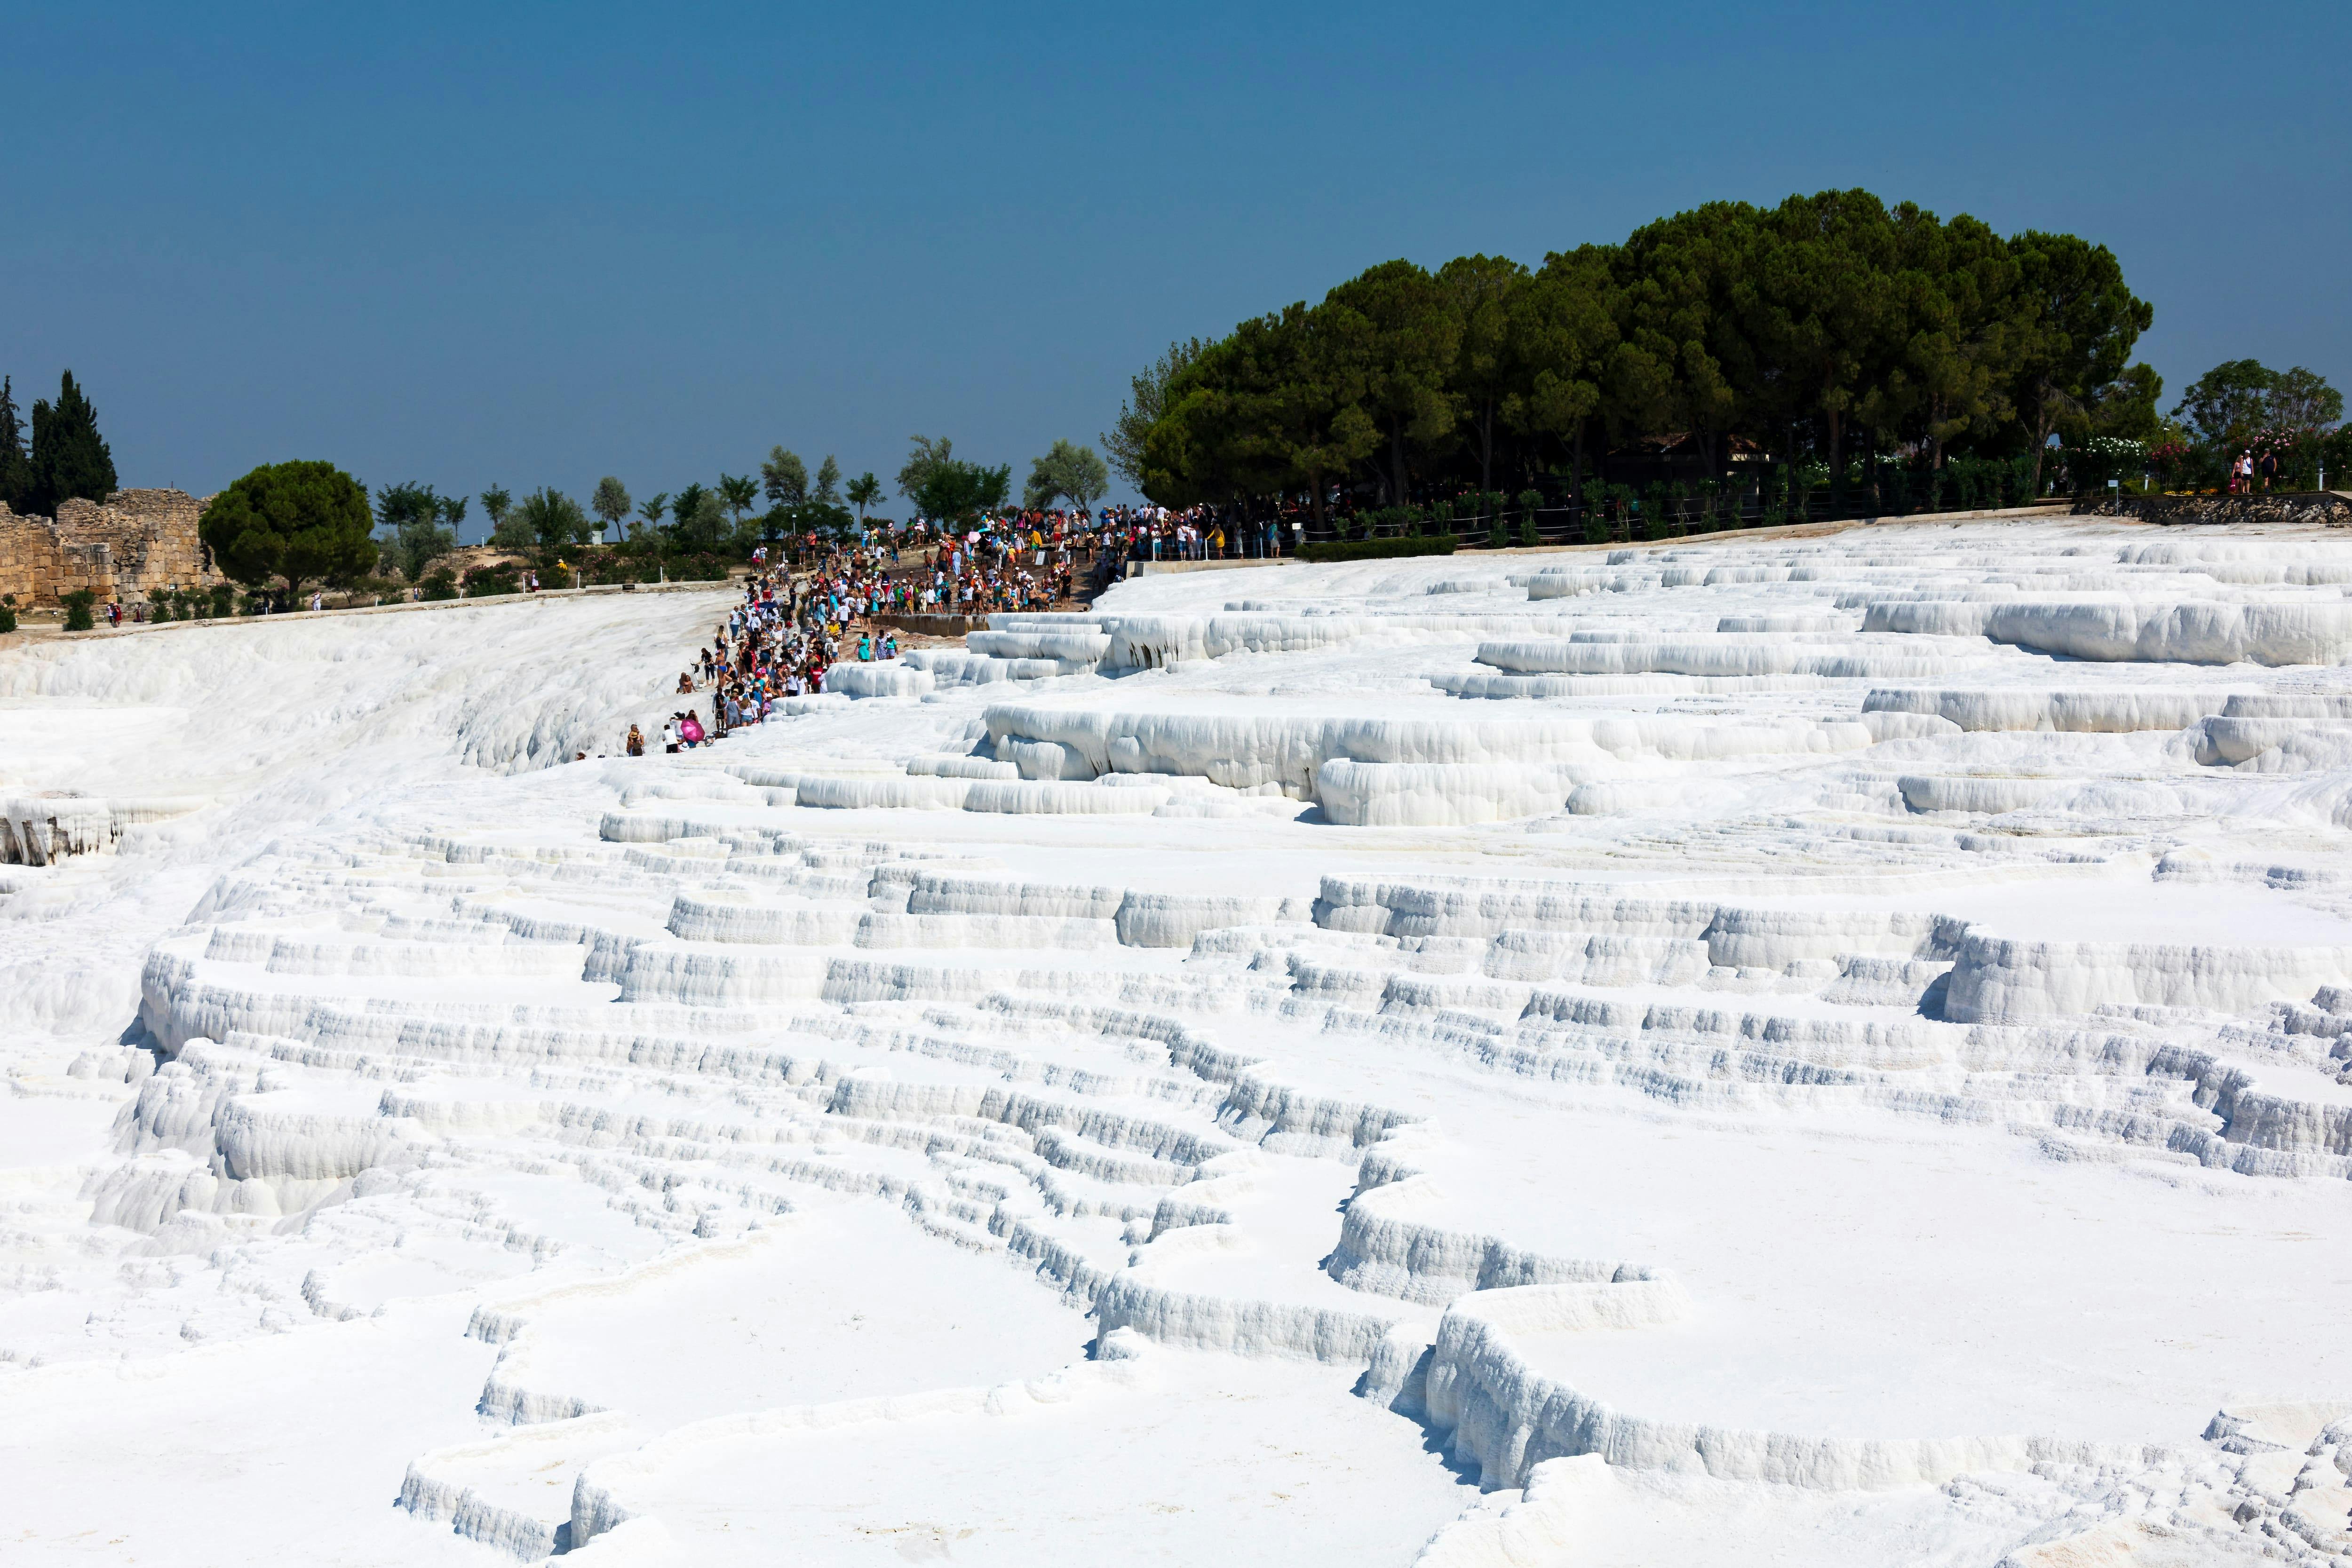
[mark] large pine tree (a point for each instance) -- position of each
(16, 469)
(69, 457)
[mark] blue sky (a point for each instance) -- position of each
(537, 244)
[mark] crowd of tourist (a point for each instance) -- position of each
(793, 625)
(787, 632)
(1196, 533)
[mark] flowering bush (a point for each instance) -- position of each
(2094, 460)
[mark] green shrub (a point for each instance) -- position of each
(78, 605)
(224, 600)
(438, 583)
(1378, 550)
(484, 581)
(7, 614)
(1529, 537)
(1393, 521)
(1654, 525)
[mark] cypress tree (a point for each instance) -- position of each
(16, 469)
(69, 457)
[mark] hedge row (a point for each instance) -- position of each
(1378, 550)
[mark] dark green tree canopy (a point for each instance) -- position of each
(2301, 401)
(415, 516)
(611, 501)
(685, 509)
(405, 503)
(2235, 400)
(1147, 400)
(69, 458)
(738, 491)
(945, 487)
(296, 522)
(924, 456)
(2125, 408)
(2073, 331)
(1833, 327)
(785, 477)
(1411, 333)
(706, 527)
(1065, 472)
(957, 491)
(15, 468)
(556, 521)
(416, 545)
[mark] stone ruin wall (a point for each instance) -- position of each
(133, 542)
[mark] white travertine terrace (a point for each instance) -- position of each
(1828, 1050)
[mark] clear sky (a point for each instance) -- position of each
(533, 245)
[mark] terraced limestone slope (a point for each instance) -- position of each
(1832, 1051)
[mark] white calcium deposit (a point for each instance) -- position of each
(1812, 1051)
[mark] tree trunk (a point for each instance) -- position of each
(1837, 460)
(2041, 423)
(1487, 448)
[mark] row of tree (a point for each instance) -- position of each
(944, 487)
(1831, 327)
(2290, 421)
(420, 526)
(67, 459)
